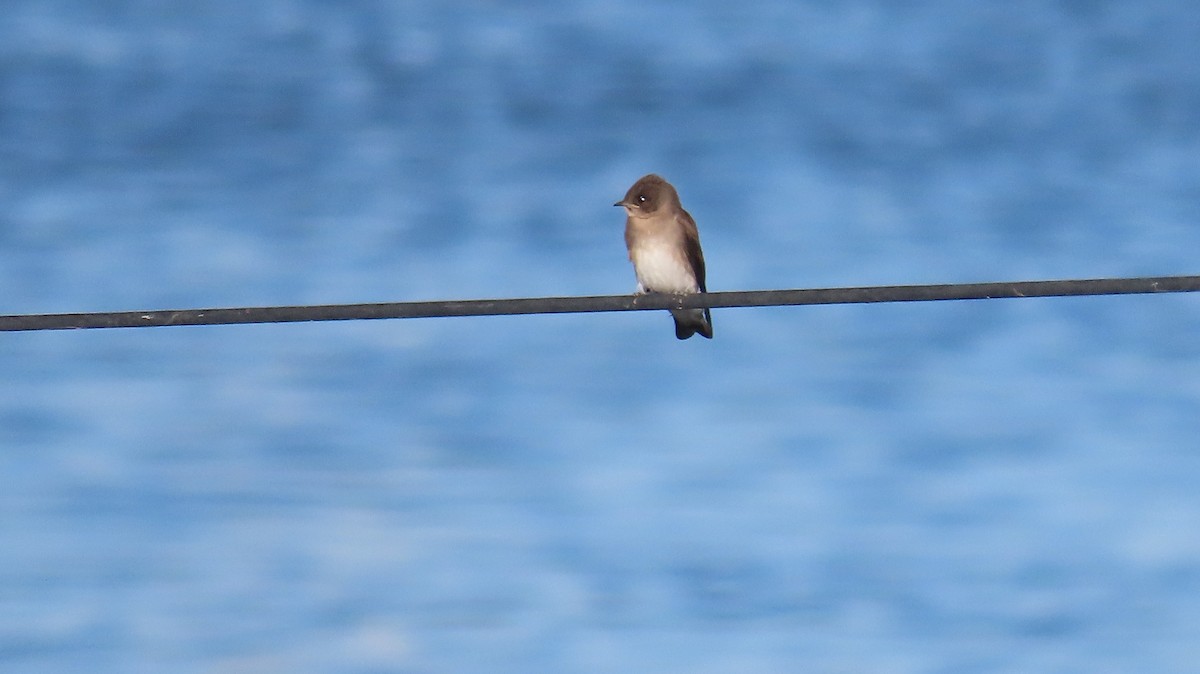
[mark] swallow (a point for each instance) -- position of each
(664, 247)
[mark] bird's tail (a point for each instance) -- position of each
(690, 321)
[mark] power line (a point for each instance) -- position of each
(562, 305)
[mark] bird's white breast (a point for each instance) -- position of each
(661, 266)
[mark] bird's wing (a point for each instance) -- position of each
(691, 245)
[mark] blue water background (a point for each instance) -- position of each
(1000, 486)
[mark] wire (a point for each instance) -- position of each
(561, 305)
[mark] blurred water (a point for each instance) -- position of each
(971, 487)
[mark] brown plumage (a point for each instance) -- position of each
(664, 246)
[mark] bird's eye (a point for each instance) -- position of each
(642, 198)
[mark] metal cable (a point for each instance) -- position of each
(559, 305)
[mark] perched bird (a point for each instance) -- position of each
(664, 247)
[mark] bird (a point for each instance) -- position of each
(664, 247)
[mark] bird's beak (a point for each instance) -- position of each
(626, 204)
(619, 203)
